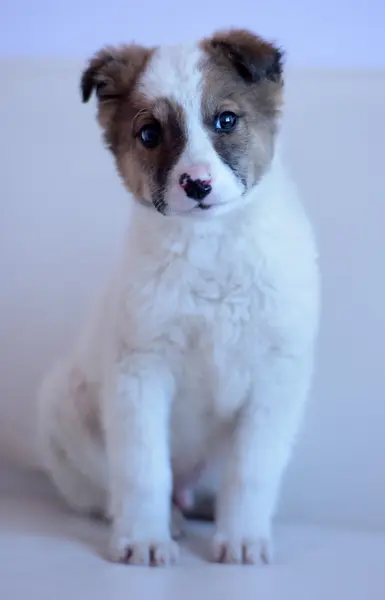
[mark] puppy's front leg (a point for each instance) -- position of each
(137, 431)
(260, 448)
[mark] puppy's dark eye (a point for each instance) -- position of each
(150, 135)
(226, 121)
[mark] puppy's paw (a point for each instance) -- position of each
(242, 550)
(152, 553)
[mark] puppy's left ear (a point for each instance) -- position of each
(253, 58)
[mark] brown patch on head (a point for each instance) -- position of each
(243, 74)
(124, 113)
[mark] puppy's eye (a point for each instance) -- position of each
(150, 135)
(226, 121)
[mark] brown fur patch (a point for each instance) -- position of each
(113, 72)
(243, 74)
(123, 111)
(151, 166)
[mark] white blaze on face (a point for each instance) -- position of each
(175, 73)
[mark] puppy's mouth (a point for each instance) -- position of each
(162, 207)
(204, 206)
(200, 207)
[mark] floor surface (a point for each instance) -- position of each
(48, 553)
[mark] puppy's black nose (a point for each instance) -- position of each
(195, 188)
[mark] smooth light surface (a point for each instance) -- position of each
(329, 33)
(63, 212)
(48, 553)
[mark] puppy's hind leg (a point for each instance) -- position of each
(79, 492)
(73, 459)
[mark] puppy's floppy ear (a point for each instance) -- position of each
(253, 58)
(112, 72)
(98, 75)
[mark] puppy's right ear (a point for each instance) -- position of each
(97, 75)
(112, 72)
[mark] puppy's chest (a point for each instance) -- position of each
(206, 296)
(216, 285)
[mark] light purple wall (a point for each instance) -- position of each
(347, 33)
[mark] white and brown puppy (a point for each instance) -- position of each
(205, 336)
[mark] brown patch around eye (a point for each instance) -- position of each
(123, 111)
(253, 92)
(174, 137)
(145, 170)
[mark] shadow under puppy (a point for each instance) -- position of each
(204, 338)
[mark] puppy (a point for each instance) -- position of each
(205, 336)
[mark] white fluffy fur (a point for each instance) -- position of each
(205, 337)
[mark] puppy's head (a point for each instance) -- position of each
(192, 127)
